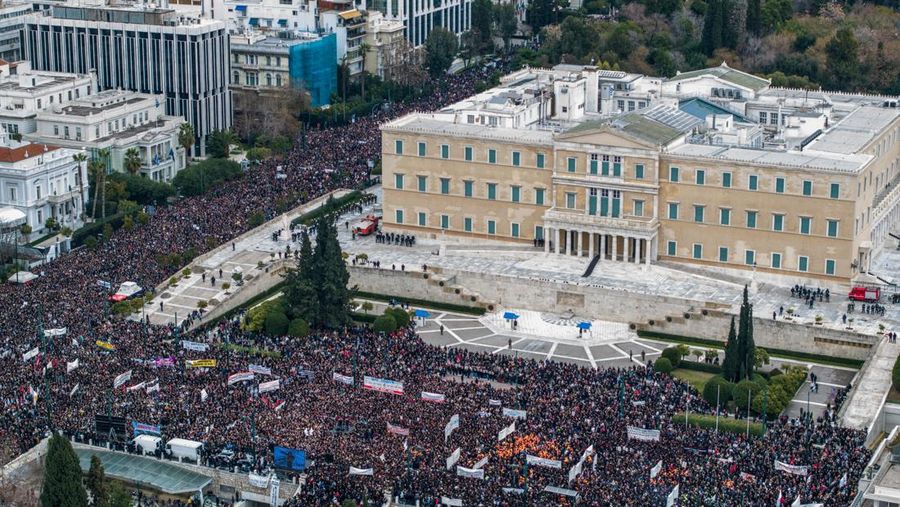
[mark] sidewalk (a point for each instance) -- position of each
(871, 387)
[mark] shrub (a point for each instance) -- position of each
(202, 304)
(717, 386)
(401, 317)
(673, 355)
(385, 324)
(90, 242)
(663, 365)
(742, 390)
(725, 423)
(895, 374)
(186, 271)
(226, 286)
(759, 380)
(298, 328)
(201, 176)
(276, 323)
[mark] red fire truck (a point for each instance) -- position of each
(366, 226)
(865, 294)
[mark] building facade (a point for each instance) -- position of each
(146, 50)
(12, 17)
(384, 38)
(420, 17)
(678, 180)
(118, 121)
(25, 92)
(43, 182)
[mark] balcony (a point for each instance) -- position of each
(61, 197)
(574, 219)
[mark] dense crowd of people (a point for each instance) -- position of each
(567, 408)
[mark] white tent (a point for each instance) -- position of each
(22, 277)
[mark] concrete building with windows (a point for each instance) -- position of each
(25, 92)
(383, 38)
(349, 27)
(689, 177)
(12, 15)
(143, 49)
(420, 18)
(119, 121)
(42, 181)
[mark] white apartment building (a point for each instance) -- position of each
(25, 92)
(42, 181)
(383, 37)
(278, 15)
(118, 121)
(421, 16)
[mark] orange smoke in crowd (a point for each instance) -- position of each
(530, 444)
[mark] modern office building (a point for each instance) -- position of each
(42, 181)
(261, 62)
(685, 176)
(25, 92)
(118, 121)
(12, 15)
(420, 17)
(143, 49)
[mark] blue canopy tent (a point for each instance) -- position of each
(510, 316)
(422, 314)
(584, 326)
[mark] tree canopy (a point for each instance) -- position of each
(440, 50)
(62, 476)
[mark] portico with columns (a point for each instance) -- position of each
(580, 235)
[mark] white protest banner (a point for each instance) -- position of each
(483, 461)
(748, 477)
(240, 377)
(587, 452)
(673, 497)
(397, 430)
(791, 469)
(561, 491)
(507, 431)
(203, 395)
(575, 471)
(643, 434)
(361, 471)
(121, 379)
(453, 458)
(513, 491)
(270, 386)
(74, 390)
(71, 366)
(258, 481)
(469, 472)
(656, 470)
(189, 345)
(262, 370)
(382, 385)
(30, 354)
(274, 490)
(55, 332)
(154, 388)
(452, 424)
(135, 387)
(511, 412)
(433, 397)
(343, 379)
(495, 403)
(452, 502)
(543, 462)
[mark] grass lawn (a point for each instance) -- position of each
(697, 379)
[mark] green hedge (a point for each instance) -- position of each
(96, 228)
(471, 310)
(725, 423)
(785, 354)
(253, 351)
(895, 374)
(331, 205)
(697, 366)
(366, 318)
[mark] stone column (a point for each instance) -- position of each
(614, 238)
(568, 242)
(591, 245)
(637, 250)
(625, 241)
(603, 246)
(557, 235)
(580, 243)
(547, 237)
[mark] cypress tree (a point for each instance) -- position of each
(713, 26)
(300, 292)
(754, 16)
(730, 369)
(745, 337)
(96, 484)
(331, 277)
(62, 476)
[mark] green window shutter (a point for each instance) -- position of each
(398, 147)
(807, 187)
(639, 171)
(829, 267)
(570, 164)
(592, 205)
(779, 185)
(468, 188)
(540, 161)
(776, 260)
(835, 190)
(726, 180)
(671, 248)
(516, 158)
(421, 149)
(468, 153)
(832, 228)
(723, 254)
(467, 224)
(539, 196)
(604, 206)
(445, 151)
(398, 181)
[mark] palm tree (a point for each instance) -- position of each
(80, 158)
(186, 137)
(103, 155)
(95, 167)
(133, 160)
(364, 50)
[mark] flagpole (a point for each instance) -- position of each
(718, 388)
(748, 411)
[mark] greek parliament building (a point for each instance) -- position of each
(711, 167)
(141, 49)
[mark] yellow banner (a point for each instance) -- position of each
(105, 345)
(200, 363)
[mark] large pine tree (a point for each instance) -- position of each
(730, 367)
(62, 476)
(747, 347)
(96, 483)
(300, 291)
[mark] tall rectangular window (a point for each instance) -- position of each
(638, 208)
(803, 263)
(593, 164)
(538, 232)
(539, 196)
(673, 174)
(807, 187)
(398, 181)
(805, 225)
(639, 171)
(399, 216)
(777, 223)
(468, 153)
(467, 224)
(698, 251)
(723, 254)
(617, 166)
(700, 177)
(751, 219)
(749, 257)
(673, 211)
(829, 266)
(445, 186)
(539, 162)
(776, 260)
(423, 183)
(445, 151)
(398, 147)
(698, 213)
(671, 248)
(491, 227)
(832, 228)
(514, 230)
(753, 182)
(570, 200)
(726, 180)
(514, 193)
(604, 166)
(421, 149)
(422, 219)
(492, 156)
(445, 221)
(516, 158)
(492, 191)
(570, 164)
(467, 188)
(779, 185)
(724, 216)
(835, 190)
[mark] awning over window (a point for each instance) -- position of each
(240, 8)
(254, 21)
(282, 22)
(351, 14)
